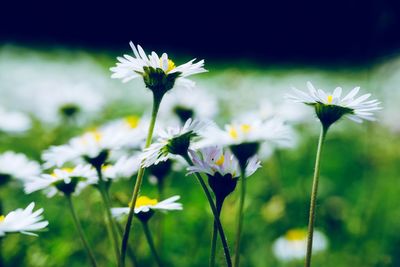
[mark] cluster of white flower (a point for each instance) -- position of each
(123, 147)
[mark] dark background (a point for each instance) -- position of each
(327, 32)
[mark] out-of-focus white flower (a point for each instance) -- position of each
(183, 104)
(73, 101)
(66, 180)
(332, 106)
(285, 111)
(125, 167)
(24, 221)
(140, 65)
(173, 141)
(14, 122)
(16, 165)
(145, 204)
(126, 133)
(293, 245)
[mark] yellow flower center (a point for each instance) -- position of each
(330, 99)
(105, 167)
(246, 128)
(171, 65)
(220, 161)
(145, 201)
(243, 128)
(233, 132)
(132, 121)
(2, 218)
(296, 235)
(66, 169)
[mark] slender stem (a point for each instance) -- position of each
(130, 252)
(138, 183)
(80, 231)
(150, 240)
(110, 223)
(240, 216)
(160, 224)
(215, 213)
(214, 236)
(313, 200)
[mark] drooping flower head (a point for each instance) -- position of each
(24, 221)
(222, 169)
(173, 141)
(330, 107)
(65, 180)
(159, 73)
(145, 207)
(17, 166)
(293, 245)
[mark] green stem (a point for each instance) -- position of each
(214, 211)
(160, 225)
(138, 183)
(313, 200)
(130, 252)
(150, 240)
(80, 231)
(240, 216)
(214, 236)
(110, 223)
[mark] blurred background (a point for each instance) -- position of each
(58, 54)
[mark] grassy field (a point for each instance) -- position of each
(357, 206)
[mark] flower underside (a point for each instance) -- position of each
(159, 81)
(330, 113)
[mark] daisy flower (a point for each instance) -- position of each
(173, 141)
(293, 245)
(246, 136)
(184, 104)
(125, 167)
(146, 206)
(25, 221)
(94, 146)
(65, 180)
(14, 122)
(330, 107)
(222, 169)
(158, 73)
(18, 166)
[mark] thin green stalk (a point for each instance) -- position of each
(110, 223)
(313, 200)
(150, 240)
(130, 252)
(160, 222)
(240, 216)
(214, 236)
(80, 231)
(215, 213)
(138, 183)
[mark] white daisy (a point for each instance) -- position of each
(16, 165)
(212, 160)
(173, 141)
(140, 65)
(145, 204)
(184, 104)
(125, 167)
(293, 245)
(24, 221)
(66, 180)
(14, 122)
(93, 144)
(332, 106)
